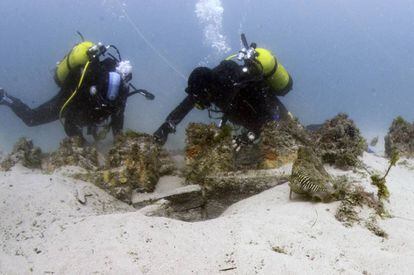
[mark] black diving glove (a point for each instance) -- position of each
(162, 133)
(242, 140)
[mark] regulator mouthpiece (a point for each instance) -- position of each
(124, 68)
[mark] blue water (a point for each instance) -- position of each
(345, 56)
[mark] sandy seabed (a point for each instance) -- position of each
(52, 224)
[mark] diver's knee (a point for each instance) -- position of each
(31, 123)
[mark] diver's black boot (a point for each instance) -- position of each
(4, 99)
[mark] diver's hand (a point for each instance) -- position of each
(161, 135)
(243, 139)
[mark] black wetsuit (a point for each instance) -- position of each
(244, 99)
(85, 109)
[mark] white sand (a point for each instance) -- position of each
(44, 229)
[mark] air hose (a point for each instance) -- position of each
(74, 92)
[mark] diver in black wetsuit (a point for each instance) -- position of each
(90, 107)
(242, 93)
(93, 94)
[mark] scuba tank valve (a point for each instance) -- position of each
(264, 65)
(97, 50)
(247, 52)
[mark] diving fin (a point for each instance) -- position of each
(4, 99)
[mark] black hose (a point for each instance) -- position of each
(117, 51)
(244, 41)
(142, 92)
(81, 36)
(114, 57)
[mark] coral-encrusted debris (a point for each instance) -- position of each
(24, 153)
(339, 142)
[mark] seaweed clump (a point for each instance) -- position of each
(132, 164)
(400, 138)
(353, 198)
(208, 151)
(309, 177)
(380, 182)
(339, 142)
(25, 153)
(72, 151)
(280, 141)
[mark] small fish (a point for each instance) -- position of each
(309, 177)
(303, 184)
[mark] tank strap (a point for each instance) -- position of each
(272, 72)
(67, 60)
(74, 92)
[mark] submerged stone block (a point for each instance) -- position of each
(243, 182)
(213, 163)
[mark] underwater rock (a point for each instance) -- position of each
(73, 152)
(208, 151)
(400, 137)
(25, 153)
(339, 142)
(279, 142)
(309, 177)
(132, 164)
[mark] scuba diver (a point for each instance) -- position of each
(94, 87)
(244, 93)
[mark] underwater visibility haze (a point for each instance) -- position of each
(352, 56)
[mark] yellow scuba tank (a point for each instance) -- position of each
(275, 74)
(77, 57)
